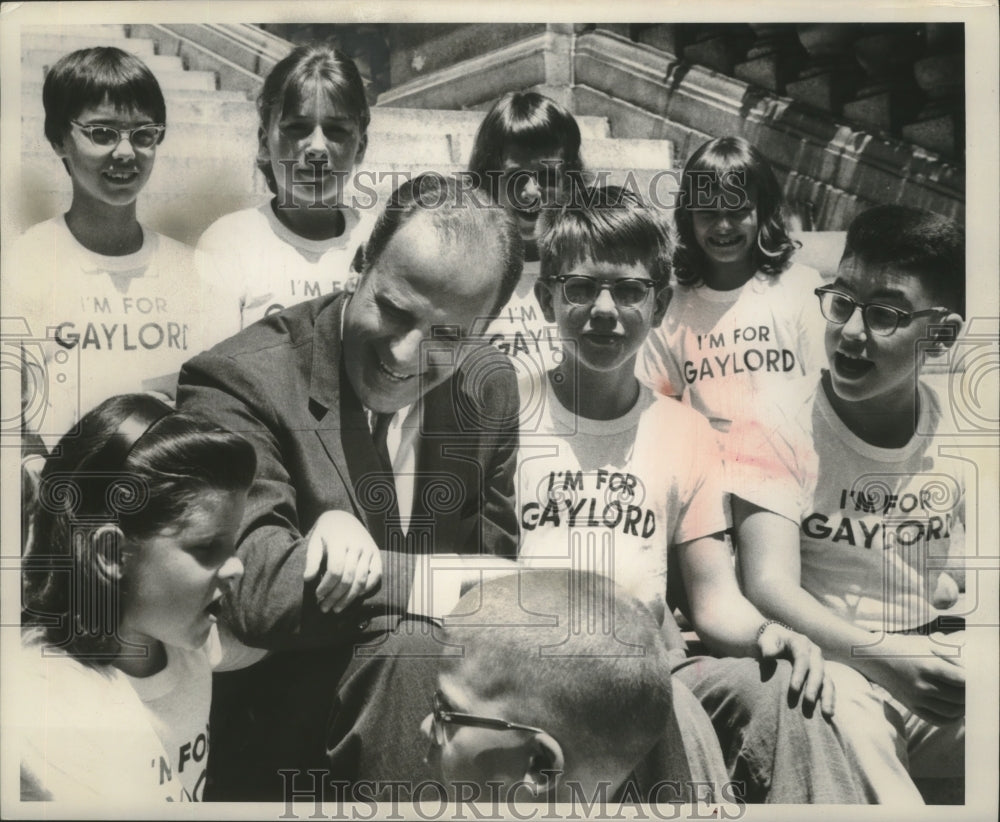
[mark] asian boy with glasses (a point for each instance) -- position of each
(850, 517)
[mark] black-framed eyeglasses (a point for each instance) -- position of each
(145, 136)
(444, 715)
(580, 290)
(883, 320)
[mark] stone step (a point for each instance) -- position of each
(182, 107)
(49, 40)
(424, 120)
(628, 153)
(184, 175)
(200, 137)
(32, 88)
(42, 59)
(212, 139)
(602, 152)
(174, 170)
(201, 140)
(187, 80)
(96, 30)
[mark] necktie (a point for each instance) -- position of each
(379, 433)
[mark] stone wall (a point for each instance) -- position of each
(831, 167)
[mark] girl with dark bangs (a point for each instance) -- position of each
(526, 157)
(743, 320)
(302, 242)
(134, 548)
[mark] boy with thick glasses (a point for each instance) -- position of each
(848, 516)
(560, 692)
(614, 480)
(110, 306)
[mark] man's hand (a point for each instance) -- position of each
(917, 671)
(341, 546)
(809, 676)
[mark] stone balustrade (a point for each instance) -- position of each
(905, 80)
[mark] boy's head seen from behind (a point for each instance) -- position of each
(600, 695)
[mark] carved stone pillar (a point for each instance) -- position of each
(719, 46)
(889, 96)
(940, 123)
(831, 75)
(774, 57)
(668, 37)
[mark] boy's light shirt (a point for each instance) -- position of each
(877, 525)
(438, 580)
(615, 496)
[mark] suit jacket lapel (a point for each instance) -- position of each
(347, 437)
(324, 393)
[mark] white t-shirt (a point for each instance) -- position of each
(98, 735)
(635, 486)
(96, 326)
(876, 524)
(720, 349)
(256, 266)
(521, 332)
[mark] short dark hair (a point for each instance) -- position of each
(305, 68)
(734, 167)
(913, 241)
(177, 459)
(606, 224)
(603, 691)
(86, 77)
(455, 215)
(523, 120)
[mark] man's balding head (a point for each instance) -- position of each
(436, 266)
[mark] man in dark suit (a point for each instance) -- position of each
(382, 433)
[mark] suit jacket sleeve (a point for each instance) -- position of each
(499, 516)
(271, 606)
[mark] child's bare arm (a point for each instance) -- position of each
(729, 623)
(771, 573)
